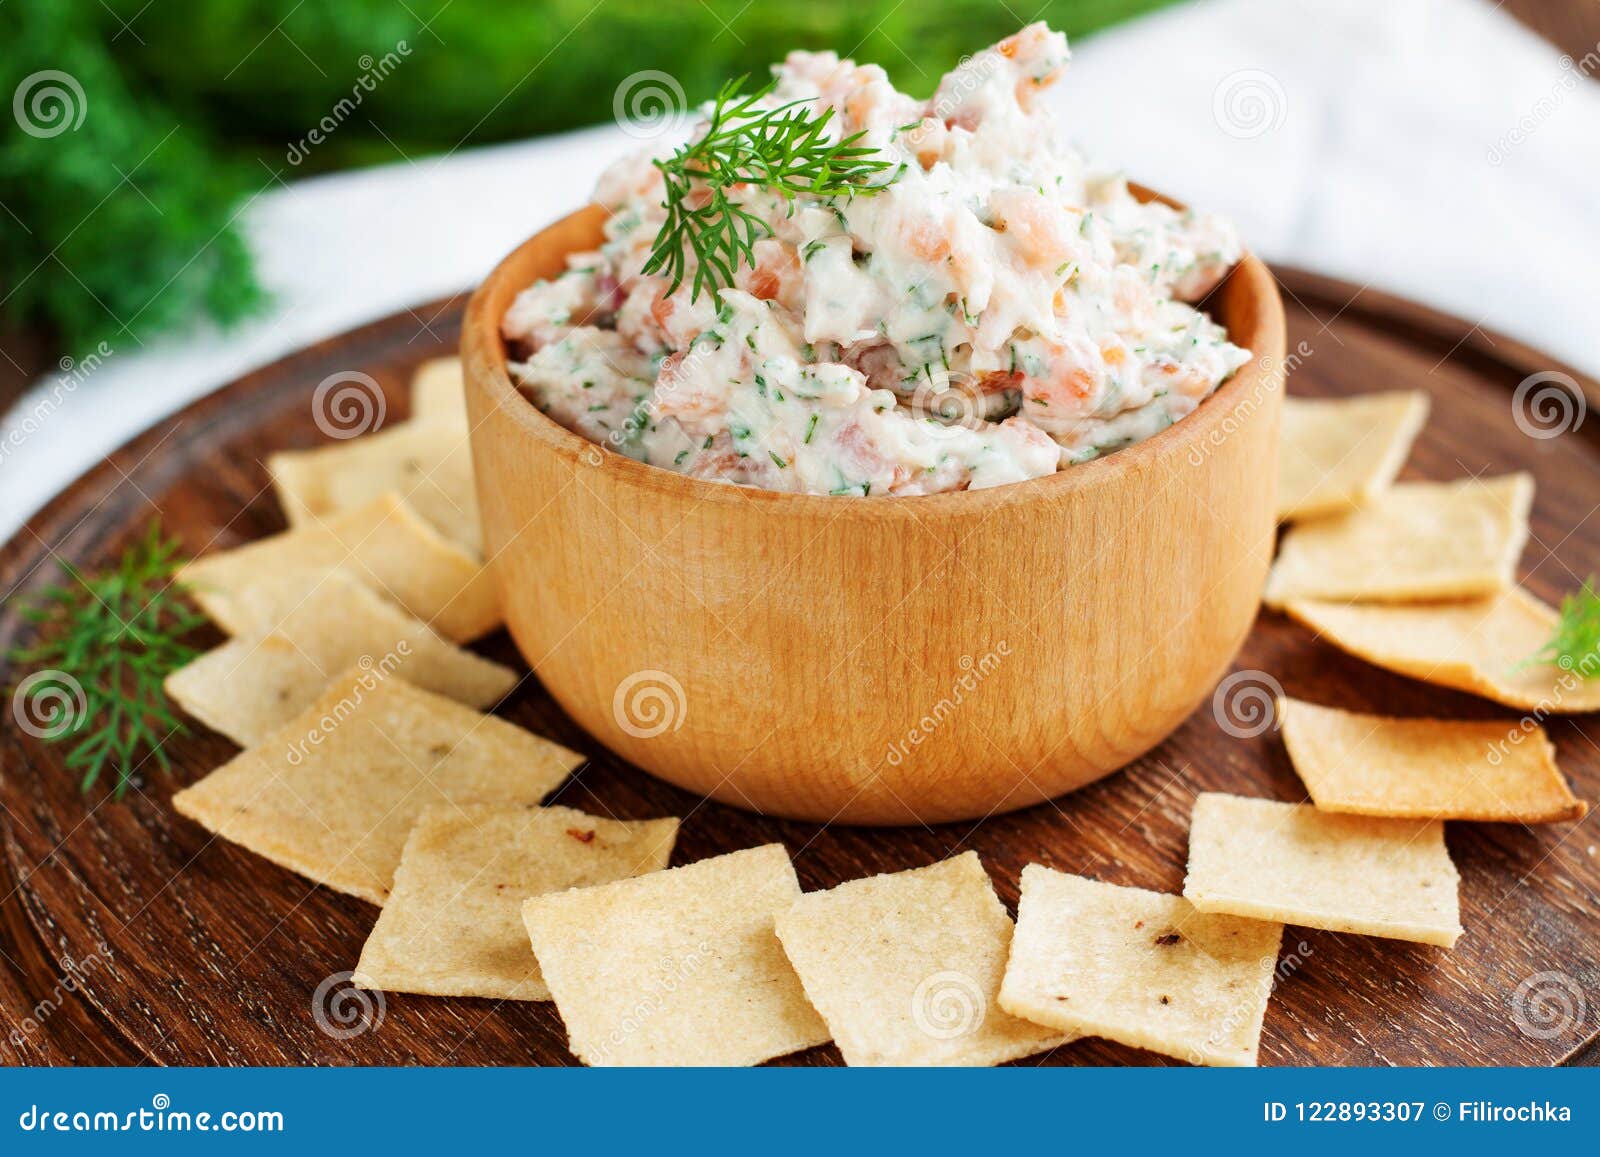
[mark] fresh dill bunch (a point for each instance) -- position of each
(1574, 645)
(119, 212)
(785, 149)
(107, 642)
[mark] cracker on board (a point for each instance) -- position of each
(252, 685)
(452, 925)
(1416, 540)
(1445, 769)
(680, 967)
(383, 544)
(1296, 864)
(428, 463)
(438, 390)
(333, 793)
(1142, 968)
(905, 967)
(1336, 454)
(1478, 645)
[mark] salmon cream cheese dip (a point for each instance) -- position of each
(979, 307)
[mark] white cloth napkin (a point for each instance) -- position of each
(1433, 148)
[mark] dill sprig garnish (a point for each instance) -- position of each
(1574, 645)
(108, 640)
(785, 149)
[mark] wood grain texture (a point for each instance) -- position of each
(883, 660)
(1573, 26)
(206, 954)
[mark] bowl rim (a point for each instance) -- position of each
(485, 360)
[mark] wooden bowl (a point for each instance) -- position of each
(878, 660)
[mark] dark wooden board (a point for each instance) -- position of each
(191, 950)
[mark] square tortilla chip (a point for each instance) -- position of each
(680, 967)
(428, 463)
(334, 793)
(1139, 967)
(905, 968)
(1336, 454)
(1293, 863)
(438, 390)
(1442, 769)
(1481, 645)
(250, 686)
(383, 544)
(1416, 540)
(453, 923)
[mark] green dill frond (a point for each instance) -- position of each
(1574, 645)
(110, 639)
(785, 149)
